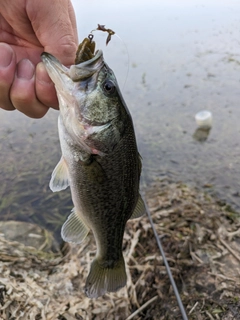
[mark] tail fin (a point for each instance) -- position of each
(103, 279)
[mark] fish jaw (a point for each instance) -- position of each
(64, 78)
(72, 83)
(84, 70)
(64, 85)
(58, 73)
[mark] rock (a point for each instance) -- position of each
(29, 234)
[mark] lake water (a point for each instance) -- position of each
(175, 59)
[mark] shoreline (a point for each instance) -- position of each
(200, 239)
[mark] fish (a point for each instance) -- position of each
(100, 162)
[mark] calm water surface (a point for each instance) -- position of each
(181, 57)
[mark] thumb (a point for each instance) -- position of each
(54, 24)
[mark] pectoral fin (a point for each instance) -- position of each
(59, 180)
(139, 209)
(74, 229)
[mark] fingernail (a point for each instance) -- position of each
(41, 74)
(6, 55)
(25, 69)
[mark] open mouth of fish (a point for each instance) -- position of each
(87, 63)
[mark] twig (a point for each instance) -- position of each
(229, 249)
(193, 308)
(210, 316)
(221, 276)
(194, 256)
(141, 308)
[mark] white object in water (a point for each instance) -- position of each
(204, 119)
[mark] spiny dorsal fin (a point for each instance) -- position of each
(74, 229)
(59, 180)
(139, 209)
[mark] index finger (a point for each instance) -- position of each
(54, 24)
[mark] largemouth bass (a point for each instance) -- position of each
(100, 162)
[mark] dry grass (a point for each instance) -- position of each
(201, 241)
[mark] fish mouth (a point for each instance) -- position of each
(57, 72)
(86, 69)
(88, 66)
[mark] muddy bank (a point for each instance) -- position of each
(200, 237)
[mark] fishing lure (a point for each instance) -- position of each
(110, 32)
(86, 48)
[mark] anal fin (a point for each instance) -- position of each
(140, 208)
(59, 180)
(74, 229)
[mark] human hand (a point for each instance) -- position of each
(27, 28)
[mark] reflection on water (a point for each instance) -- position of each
(183, 57)
(201, 134)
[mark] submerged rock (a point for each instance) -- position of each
(29, 234)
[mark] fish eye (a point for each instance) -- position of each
(109, 87)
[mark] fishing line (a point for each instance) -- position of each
(128, 58)
(175, 289)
